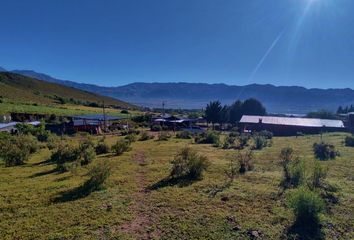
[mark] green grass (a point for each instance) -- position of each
(191, 211)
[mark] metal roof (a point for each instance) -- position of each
(304, 122)
(99, 117)
(13, 124)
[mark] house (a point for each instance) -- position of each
(175, 123)
(287, 126)
(91, 123)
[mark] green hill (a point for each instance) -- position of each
(18, 89)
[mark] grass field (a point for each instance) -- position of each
(59, 110)
(136, 204)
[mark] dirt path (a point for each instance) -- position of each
(138, 227)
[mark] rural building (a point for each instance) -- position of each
(91, 123)
(287, 126)
(175, 123)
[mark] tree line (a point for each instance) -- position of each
(345, 110)
(216, 113)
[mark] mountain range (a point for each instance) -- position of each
(277, 99)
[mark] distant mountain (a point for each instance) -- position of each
(2, 69)
(21, 89)
(290, 99)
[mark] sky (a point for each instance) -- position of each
(307, 43)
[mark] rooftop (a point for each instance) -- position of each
(289, 121)
(99, 117)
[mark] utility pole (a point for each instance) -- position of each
(104, 118)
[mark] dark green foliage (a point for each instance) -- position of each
(235, 112)
(102, 148)
(245, 161)
(156, 128)
(184, 135)
(52, 141)
(286, 159)
(297, 172)
(323, 114)
(243, 140)
(267, 134)
(16, 150)
(209, 137)
(145, 136)
(188, 164)
(349, 141)
(229, 142)
(325, 151)
(213, 112)
(253, 107)
(121, 146)
(345, 110)
(39, 132)
(124, 111)
(306, 205)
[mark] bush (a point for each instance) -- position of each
(16, 150)
(267, 134)
(131, 137)
(318, 176)
(349, 141)
(145, 136)
(286, 158)
(245, 161)
(306, 205)
(65, 153)
(121, 146)
(325, 151)
(163, 136)
(209, 137)
(87, 155)
(297, 173)
(124, 112)
(229, 142)
(52, 141)
(98, 176)
(188, 164)
(259, 142)
(243, 140)
(184, 135)
(102, 148)
(156, 128)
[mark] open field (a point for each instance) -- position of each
(59, 110)
(137, 204)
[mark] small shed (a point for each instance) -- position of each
(92, 123)
(287, 126)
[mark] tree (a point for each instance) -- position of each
(235, 112)
(253, 107)
(224, 115)
(213, 112)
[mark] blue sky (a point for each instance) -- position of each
(282, 42)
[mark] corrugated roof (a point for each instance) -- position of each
(304, 122)
(10, 124)
(99, 117)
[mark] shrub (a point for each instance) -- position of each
(52, 141)
(266, 134)
(209, 137)
(130, 137)
(98, 176)
(184, 135)
(243, 140)
(16, 150)
(349, 141)
(87, 155)
(188, 164)
(121, 146)
(102, 148)
(124, 111)
(318, 176)
(325, 151)
(145, 136)
(259, 142)
(156, 128)
(229, 142)
(65, 153)
(234, 134)
(245, 161)
(286, 158)
(163, 136)
(297, 173)
(306, 205)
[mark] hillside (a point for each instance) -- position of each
(282, 99)
(21, 89)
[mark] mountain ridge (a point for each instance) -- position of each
(277, 99)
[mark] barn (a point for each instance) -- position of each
(288, 126)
